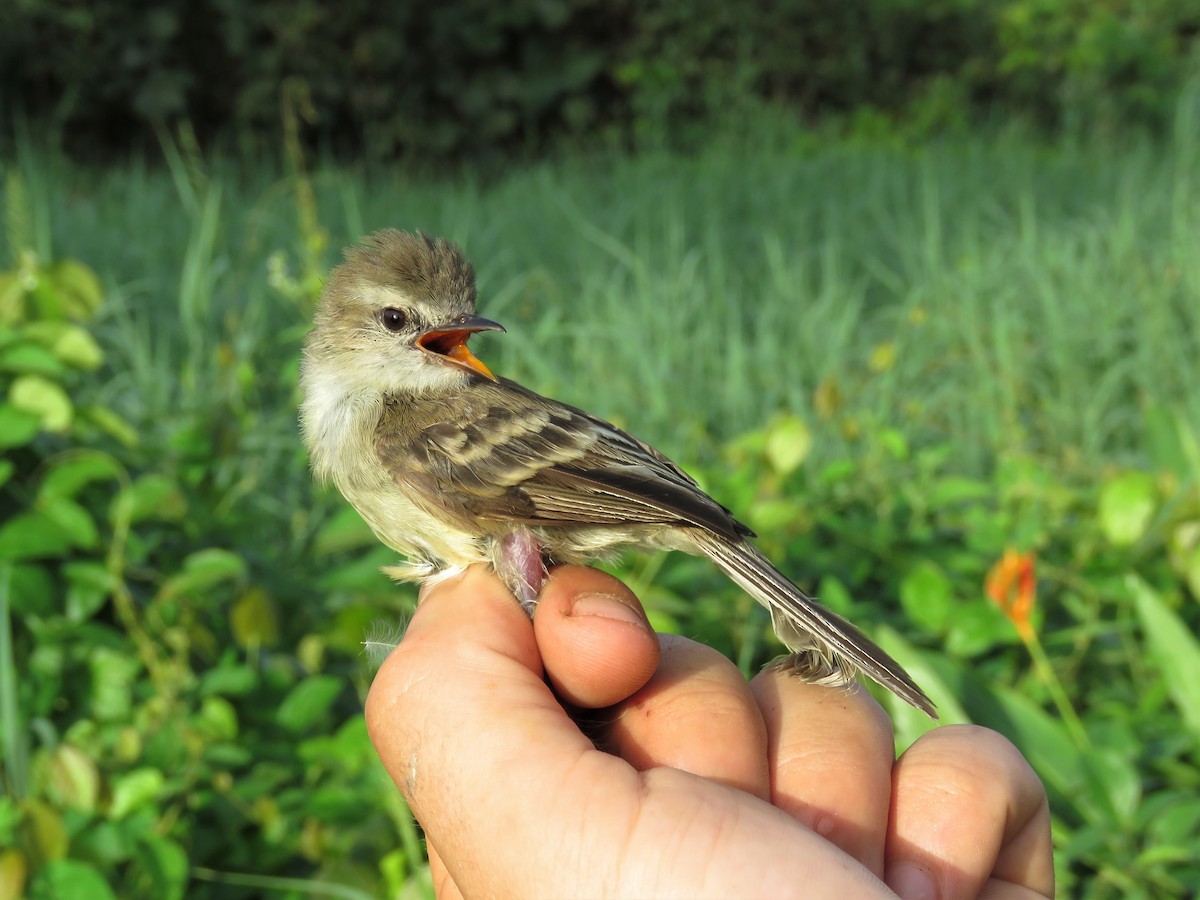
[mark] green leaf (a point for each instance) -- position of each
(75, 521)
(17, 426)
(69, 778)
(164, 863)
(217, 720)
(70, 474)
(789, 441)
(344, 530)
(32, 536)
(149, 497)
(61, 879)
(78, 289)
(976, 627)
(43, 831)
(1173, 647)
(30, 359)
(1127, 504)
(45, 399)
(113, 674)
(230, 680)
(111, 424)
(205, 569)
(134, 790)
(253, 620)
(7, 467)
(308, 702)
(13, 871)
(951, 490)
(78, 349)
(927, 596)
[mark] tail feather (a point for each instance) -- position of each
(804, 625)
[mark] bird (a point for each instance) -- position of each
(452, 465)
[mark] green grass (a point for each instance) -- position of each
(1017, 296)
(982, 336)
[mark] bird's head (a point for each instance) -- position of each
(394, 318)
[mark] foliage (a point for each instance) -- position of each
(469, 78)
(149, 724)
(908, 364)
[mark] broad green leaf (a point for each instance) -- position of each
(134, 790)
(75, 521)
(30, 359)
(70, 778)
(1173, 647)
(14, 869)
(151, 496)
(78, 288)
(1127, 504)
(43, 831)
(229, 680)
(253, 619)
(32, 536)
(927, 596)
(70, 474)
(113, 675)
(344, 530)
(62, 879)
(17, 426)
(308, 702)
(78, 349)
(45, 399)
(1176, 820)
(217, 720)
(772, 515)
(205, 569)
(789, 441)
(7, 467)
(165, 864)
(976, 627)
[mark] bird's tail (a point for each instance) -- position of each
(834, 650)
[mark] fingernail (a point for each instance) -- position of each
(606, 606)
(912, 881)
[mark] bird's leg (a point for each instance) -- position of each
(518, 560)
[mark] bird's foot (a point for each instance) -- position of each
(519, 562)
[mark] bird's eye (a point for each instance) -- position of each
(393, 319)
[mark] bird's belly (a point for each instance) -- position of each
(430, 544)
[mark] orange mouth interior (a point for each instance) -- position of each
(452, 344)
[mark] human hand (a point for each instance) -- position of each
(710, 786)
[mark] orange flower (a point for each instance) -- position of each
(1012, 585)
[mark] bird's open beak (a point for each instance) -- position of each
(450, 342)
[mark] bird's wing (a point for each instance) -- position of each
(500, 452)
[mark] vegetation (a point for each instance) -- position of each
(467, 78)
(951, 383)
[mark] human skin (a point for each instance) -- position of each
(708, 786)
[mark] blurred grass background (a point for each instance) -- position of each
(939, 345)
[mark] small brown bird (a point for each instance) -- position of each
(452, 466)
